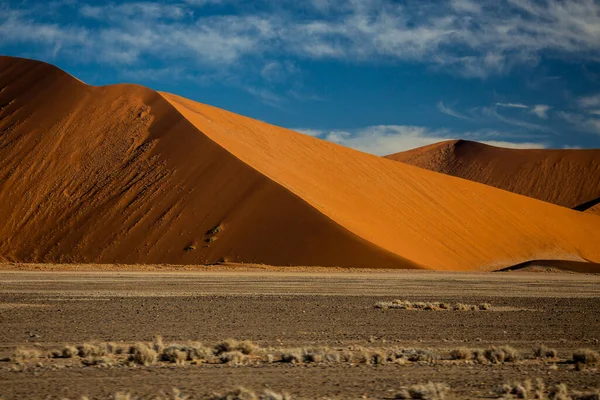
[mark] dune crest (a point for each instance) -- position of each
(569, 178)
(123, 174)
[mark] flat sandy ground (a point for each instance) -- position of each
(278, 309)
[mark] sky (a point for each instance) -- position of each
(380, 76)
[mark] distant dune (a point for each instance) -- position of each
(569, 178)
(123, 174)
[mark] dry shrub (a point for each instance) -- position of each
(420, 355)
(247, 347)
(97, 361)
(245, 394)
(174, 354)
(485, 306)
(90, 350)
(22, 354)
(158, 344)
(497, 355)
(142, 354)
(293, 356)
(586, 356)
(233, 357)
(428, 391)
(522, 390)
(373, 357)
(461, 307)
(196, 351)
(461, 353)
(543, 351)
(226, 346)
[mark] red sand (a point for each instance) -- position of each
(122, 174)
(569, 178)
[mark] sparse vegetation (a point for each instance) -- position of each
(461, 353)
(428, 391)
(22, 354)
(537, 390)
(142, 354)
(497, 355)
(214, 230)
(430, 306)
(586, 356)
(545, 352)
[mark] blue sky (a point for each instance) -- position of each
(378, 75)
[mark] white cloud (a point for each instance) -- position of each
(590, 101)
(388, 139)
(492, 112)
(467, 37)
(541, 110)
(583, 123)
(512, 105)
(453, 113)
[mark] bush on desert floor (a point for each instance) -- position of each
(91, 350)
(142, 354)
(246, 394)
(461, 353)
(175, 354)
(235, 357)
(544, 351)
(586, 356)
(22, 354)
(500, 354)
(428, 391)
(245, 346)
(527, 390)
(430, 306)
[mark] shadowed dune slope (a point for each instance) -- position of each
(115, 174)
(569, 178)
(122, 174)
(435, 220)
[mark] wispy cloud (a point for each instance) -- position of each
(584, 123)
(453, 113)
(472, 38)
(541, 110)
(511, 105)
(590, 101)
(388, 139)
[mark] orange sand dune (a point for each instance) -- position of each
(124, 174)
(569, 178)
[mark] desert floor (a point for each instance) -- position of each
(279, 309)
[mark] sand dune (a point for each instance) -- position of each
(123, 174)
(569, 178)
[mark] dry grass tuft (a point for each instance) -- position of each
(434, 306)
(142, 354)
(158, 344)
(235, 357)
(247, 347)
(174, 354)
(543, 352)
(586, 356)
(245, 394)
(23, 354)
(461, 353)
(501, 354)
(196, 351)
(293, 356)
(527, 390)
(90, 350)
(428, 391)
